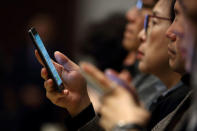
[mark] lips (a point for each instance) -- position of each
(171, 52)
(140, 55)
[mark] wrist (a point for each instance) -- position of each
(83, 104)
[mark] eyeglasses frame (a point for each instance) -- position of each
(148, 16)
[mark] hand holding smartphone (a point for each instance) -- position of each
(95, 79)
(46, 59)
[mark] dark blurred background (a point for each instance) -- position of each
(64, 25)
(23, 105)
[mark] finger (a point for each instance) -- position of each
(52, 93)
(38, 58)
(108, 100)
(58, 67)
(65, 61)
(95, 73)
(49, 85)
(125, 75)
(56, 96)
(132, 94)
(44, 73)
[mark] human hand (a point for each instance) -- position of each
(74, 97)
(119, 105)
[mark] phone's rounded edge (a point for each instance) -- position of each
(60, 88)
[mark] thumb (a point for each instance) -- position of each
(65, 61)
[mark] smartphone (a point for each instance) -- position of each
(93, 83)
(100, 89)
(46, 59)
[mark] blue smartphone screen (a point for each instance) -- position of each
(48, 59)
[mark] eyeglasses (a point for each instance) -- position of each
(141, 5)
(147, 18)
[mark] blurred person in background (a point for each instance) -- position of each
(148, 86)
(102, 47)
(135, 17)
(103, 42)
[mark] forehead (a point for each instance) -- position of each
(162, 8)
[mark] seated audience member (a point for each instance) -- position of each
(186, 21)
(102, 46)
(148, 86)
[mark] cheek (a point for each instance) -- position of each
(156, 56)
(188, 45)
(189, 56)
(156, 51)
(151, 60)
(138, 27)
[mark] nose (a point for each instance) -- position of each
(142, 36)
(170, 33)
(131, 15)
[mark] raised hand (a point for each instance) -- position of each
(74, 97)
(119, 105)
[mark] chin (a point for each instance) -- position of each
(171, 64)
(142, 68)
(177, 66)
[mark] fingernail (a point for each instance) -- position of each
(66, 92)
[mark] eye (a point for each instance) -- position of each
(153, 22)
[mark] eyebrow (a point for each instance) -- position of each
(155, 13)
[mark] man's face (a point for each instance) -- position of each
(176, 34)
(190, 27)
(152, 53)
(135, 24)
